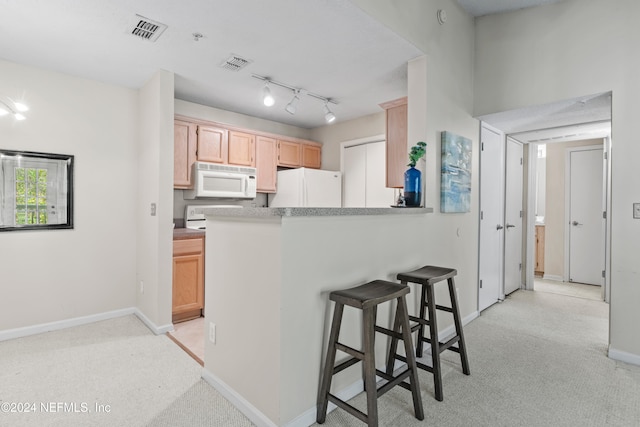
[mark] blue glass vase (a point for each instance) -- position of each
(412, 187)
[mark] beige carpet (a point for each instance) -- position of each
(537, 359)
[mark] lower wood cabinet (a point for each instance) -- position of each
(188, 279)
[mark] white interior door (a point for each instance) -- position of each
(491, 216)
(586, 222)
(354, 176)
(513, 217)
(364, 168)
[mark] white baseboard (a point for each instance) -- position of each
(623, 356)
(26, 331)
(553, 277)
(243, 405)
(63, 324)
(158, 330)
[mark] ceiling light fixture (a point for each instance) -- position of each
(291, 107)
(329, 117)
(267, 98)
(16, 108)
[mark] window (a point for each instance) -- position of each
(35, 190)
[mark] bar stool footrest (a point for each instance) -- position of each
(418, 364)
(350, 409)
(392, 381)
(344, 365)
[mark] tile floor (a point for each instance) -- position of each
(190, 336)
(578, 290)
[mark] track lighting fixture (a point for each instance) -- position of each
(328, 115)
(267, 98)
(16, 108)
(291, 107)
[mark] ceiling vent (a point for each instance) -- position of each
(235, 63)
(146, 28)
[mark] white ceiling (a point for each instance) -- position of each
(586, 117)
(330, 48)
(488, 7)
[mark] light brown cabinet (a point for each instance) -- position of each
(396, 134)
(311, 156)
(242, 149)
(188, 279)
(266, 161)
(212, 144)
(184, 152)
(539, 267)
(199, 140)
(289, 154)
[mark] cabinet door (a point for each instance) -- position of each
(397, 150)
(311, 156)
(212, 144)
(184, 153)
(289, 154)
(242, 149)
(266, 164)
(188, 279)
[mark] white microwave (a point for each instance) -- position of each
(211, 180)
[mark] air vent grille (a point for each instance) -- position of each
(235, 63)
(146, 28)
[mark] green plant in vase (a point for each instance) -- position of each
(413, 177)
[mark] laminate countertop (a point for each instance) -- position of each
(187, 233)
(298, 212)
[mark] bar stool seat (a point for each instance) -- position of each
(428, 276)
(366, 298)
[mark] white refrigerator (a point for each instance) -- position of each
(310, 188)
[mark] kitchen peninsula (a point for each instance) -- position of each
(269, 274)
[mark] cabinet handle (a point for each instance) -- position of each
(499, 227)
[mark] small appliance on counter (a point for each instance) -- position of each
(194, 215)
(309, 188)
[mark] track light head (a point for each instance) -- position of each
(267, 98)
(329, 117)
(291, 106)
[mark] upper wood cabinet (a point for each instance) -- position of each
(289, 154)
(212, 144)
(396, 132)
(266, 163)
(242, 149)
(311, 156)
(184, 152)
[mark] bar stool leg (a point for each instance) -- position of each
(435, 343)
(423, 306)
(458, 322)
(393, 348)
(403, 314)
(327, 375)
(368, 320)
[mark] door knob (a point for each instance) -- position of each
(510, 225)
(499, 227)
(576, 223)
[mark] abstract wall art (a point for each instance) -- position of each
(455, 182)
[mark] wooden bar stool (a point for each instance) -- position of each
(366, 298)
(427, 276)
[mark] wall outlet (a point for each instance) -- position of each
(636, 210)
(141, 287)
(212, 332)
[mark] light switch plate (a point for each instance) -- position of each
(636, 210)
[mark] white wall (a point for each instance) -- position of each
(546, 54)
(47, 276)
(155, 185)
(440, 96)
